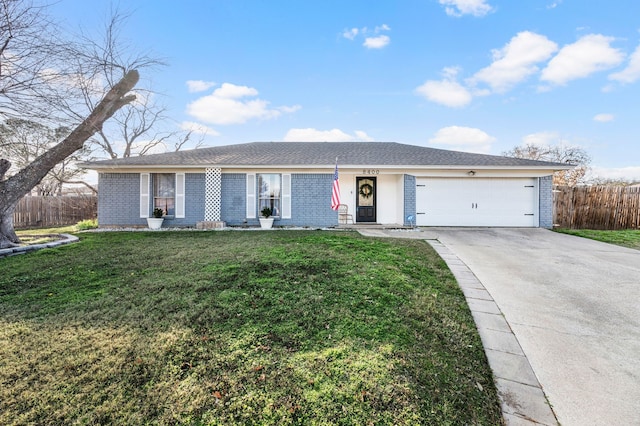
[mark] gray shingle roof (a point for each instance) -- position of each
(320, 154)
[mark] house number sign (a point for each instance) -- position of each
(370, 171)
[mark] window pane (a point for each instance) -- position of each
(164, 189)
(269, 192)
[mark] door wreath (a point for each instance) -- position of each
(366, 190)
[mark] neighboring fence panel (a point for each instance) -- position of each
(36, 211)
(597, 207)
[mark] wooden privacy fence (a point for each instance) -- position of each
(37, 211)
(597, 207)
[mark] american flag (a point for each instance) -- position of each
(335, 193)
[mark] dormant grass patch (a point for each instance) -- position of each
(286, 327)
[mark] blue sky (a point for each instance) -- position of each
(473, 75)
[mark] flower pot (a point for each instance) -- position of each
(266, 223)
(154, 222)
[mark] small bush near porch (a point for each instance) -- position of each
(282, 327)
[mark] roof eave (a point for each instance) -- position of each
(553, 167)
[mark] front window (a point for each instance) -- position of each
(269, 192)
(164, 191)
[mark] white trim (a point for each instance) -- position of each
(180, 191)
(286, 196)
(145, 183)
(251, 196)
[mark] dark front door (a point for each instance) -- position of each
(366, 199)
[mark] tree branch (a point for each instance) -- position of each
(80, 182)
(21, 183)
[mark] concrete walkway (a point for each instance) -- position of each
(572, 309)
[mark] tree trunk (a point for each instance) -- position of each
(8, 237)
(14, 188)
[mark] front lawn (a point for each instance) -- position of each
(626, 237)
(222, 328)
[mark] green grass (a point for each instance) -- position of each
(42, 231)
(626, 238)
(223, 328)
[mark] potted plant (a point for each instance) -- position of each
(155, 222)
(266, 221)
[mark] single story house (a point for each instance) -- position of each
(381, 182)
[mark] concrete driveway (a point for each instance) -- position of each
(574, 306)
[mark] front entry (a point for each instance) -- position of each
(366, 199)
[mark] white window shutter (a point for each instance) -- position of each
(251, 196)
(180, 195)
(286, 196)
(144, 194)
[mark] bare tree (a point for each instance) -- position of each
(134, 130)
(43, 78)
(572, 155)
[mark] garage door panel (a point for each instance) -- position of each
(476, 202)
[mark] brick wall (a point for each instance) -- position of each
(409, 199)
(546, 201)
(234, 199)
(311, 201)
(119, 200)
(194, 186)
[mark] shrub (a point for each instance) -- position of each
(83, 225)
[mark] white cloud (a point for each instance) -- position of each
(289, 109)
(466, 7)
(630, 174)
(231, 91)
(632, 72)
(372, 39)
(463, 138)
(199, 85)
(198, 128)
(333, 135)
(541, 139)
(376, 42)
(350, 34)
(227, 106)
(515, 61)
(447, 91)
(590, 54)
(603, 118)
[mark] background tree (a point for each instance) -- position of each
(44, 78)
(560, 153)
(22, 141)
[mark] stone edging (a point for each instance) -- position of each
(12, 251)
(522, 398)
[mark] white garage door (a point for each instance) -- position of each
(477, 202)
